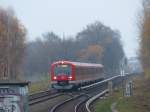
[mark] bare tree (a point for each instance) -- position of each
(144, 27)
(96, 43)
(12, 44)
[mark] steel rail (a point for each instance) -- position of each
(91, 100)
(66, 101)
(84, 88)
(44, 98)
(109, 79)
(77, 107)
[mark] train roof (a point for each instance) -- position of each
(79, 64)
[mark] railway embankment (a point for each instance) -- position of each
(138, 102)
(38, 86)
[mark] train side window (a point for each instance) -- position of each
(77, 71)
(82, 71)
(87, 71)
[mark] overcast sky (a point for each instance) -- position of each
(67, 17)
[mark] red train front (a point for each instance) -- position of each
(69, 75)
(61, 73)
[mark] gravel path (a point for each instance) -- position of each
(113, 107)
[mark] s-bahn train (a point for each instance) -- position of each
(66, 75)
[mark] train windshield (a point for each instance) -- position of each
(62, 69)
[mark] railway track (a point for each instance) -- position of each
(80, 103)
(41, 94)
(74, 104)
(92, 99)
(80, 107)
(44, 98)
(68, 102)
(39, 101)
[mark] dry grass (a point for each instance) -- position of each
(139, 102)
(142, 95)
(39, 86)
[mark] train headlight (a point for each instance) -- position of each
(70, 77)
(55, 77)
